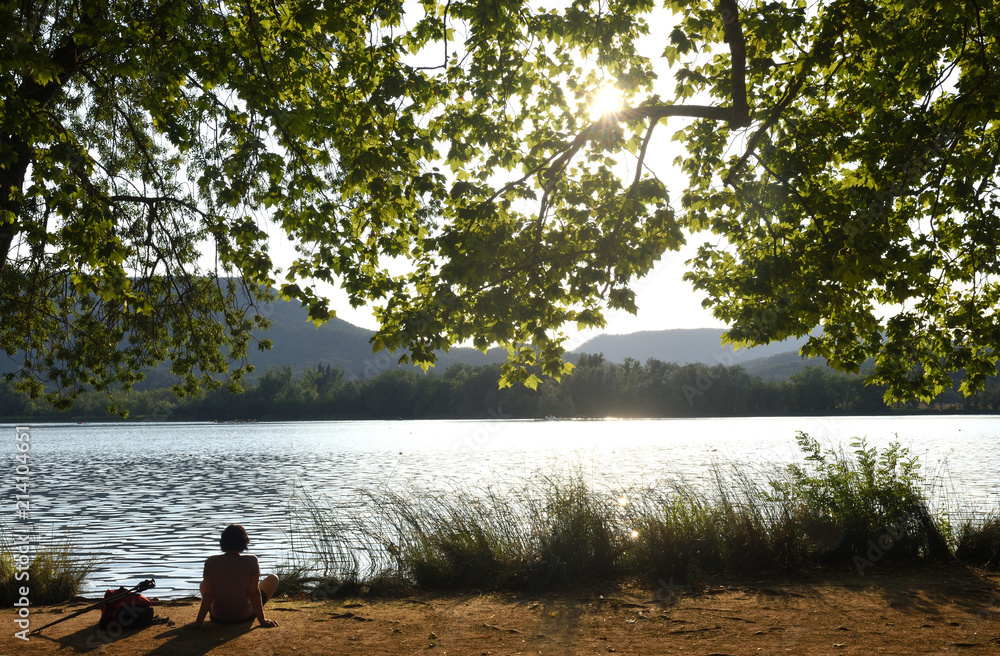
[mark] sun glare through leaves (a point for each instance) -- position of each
(605, 101)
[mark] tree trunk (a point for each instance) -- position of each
(68, 60)
(11, 189)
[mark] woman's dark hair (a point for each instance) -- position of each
(234, 538)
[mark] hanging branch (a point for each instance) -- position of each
(736, 116)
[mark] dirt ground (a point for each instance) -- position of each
(932, 610)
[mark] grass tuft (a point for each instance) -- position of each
(54, 573)
(578, 534)
(979, 542)
(463, 540)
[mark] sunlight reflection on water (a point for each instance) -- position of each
(153, 498)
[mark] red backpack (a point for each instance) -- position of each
(133, 611)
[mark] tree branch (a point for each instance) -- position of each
(823, 44)
(737, 115)
(790, 95)
(68, 59)
(636, 179)
(657, 112)
(738, 68)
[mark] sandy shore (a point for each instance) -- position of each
(931, 610)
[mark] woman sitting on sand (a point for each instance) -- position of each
(232, 590)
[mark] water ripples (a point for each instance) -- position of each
(151, 500)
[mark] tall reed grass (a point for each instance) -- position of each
(334, 551)
(54, 572)
(489, 538)
(978, 541)
(829, 510)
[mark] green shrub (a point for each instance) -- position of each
(843, 505)
(54, 573)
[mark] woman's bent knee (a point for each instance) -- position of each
(269, 585)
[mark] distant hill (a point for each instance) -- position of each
(780, 367)
(683, 347)
(298, 343)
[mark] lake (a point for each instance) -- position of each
(153, 497)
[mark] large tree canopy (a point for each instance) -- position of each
(438, 160)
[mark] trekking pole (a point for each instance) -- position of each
(144, 585)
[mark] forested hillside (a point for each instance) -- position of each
(596, 389)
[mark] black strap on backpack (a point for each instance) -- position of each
(145, 585)
(129, 610)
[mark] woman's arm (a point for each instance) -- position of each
(253, 591)
(207, 596)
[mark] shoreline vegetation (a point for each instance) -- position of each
(53, 574)
(861, 510)
(865, 510)
(596, 389)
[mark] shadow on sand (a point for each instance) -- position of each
(178, 639)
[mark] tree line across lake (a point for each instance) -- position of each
(596, 388)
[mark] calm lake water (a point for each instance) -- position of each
(153, 498)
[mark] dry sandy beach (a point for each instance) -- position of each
(926, 610)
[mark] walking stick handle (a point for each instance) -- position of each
(144, 585)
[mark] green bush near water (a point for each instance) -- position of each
(841, 504)
(54, 573)
(829, 510)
